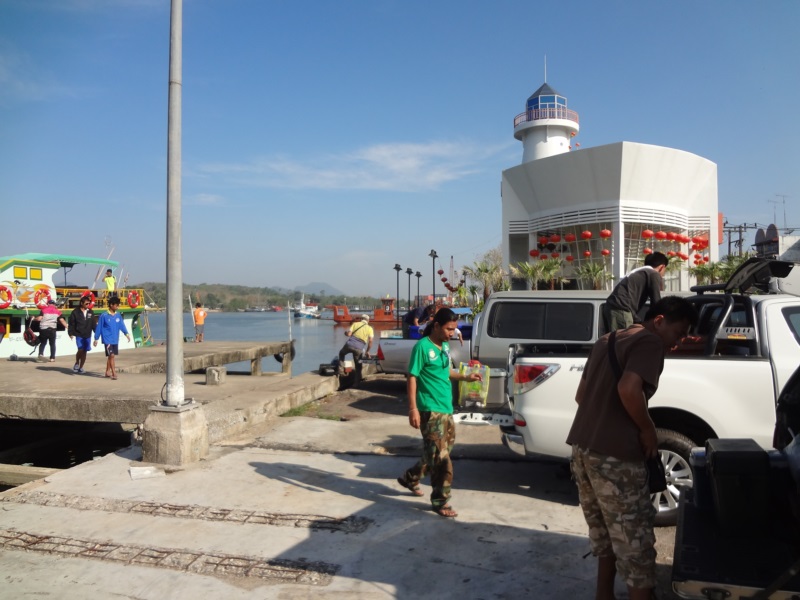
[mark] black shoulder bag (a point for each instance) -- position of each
(656, 476)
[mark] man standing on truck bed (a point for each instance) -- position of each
(622, 308)
(612, 435)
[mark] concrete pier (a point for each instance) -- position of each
(52, 392)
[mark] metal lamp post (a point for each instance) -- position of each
(409, 272)
(417, 275)
(397, 268)
(433, 256)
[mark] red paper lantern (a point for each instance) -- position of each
(705, 258)
(671, 253)
(605, 252)
(605, 233)
(647, 251)
(569, 258)
(586, 235)
(444, 279)
(554, 254)
(534, 253)
(661, 235)
(698, 256)
(671, 235)
(543, 257)
(570, 237)
(542, 240)
(587, 253)
(440, 272)
(555, 238)
(683, 256)
(647, 234)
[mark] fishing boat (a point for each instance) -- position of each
(301, 310)
(385, 314)
(27, 283)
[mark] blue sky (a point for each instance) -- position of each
(327, 141)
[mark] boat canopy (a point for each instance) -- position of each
(64, 260)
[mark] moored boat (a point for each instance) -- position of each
(385, 314)
(301, 310)
(27, 283)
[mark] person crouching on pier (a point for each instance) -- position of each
(108, 327)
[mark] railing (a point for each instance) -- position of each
(69, 298)
(546, 113)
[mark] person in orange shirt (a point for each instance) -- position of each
(199, 322)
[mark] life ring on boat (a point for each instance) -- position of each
(91, 297)
(133, 299)
(41, 297)
(279, 355)
(5, 293)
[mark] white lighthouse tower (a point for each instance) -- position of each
(547, 126)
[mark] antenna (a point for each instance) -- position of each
(783, 200)
(773, 202)
(545, 68)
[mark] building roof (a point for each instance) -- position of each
(544, 90)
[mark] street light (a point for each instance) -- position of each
(398, 268)
(417, 275)
(410, 273)
(433, 256)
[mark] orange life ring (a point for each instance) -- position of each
(4, 291)
(91, 296)
(133, 299)
(41, 297)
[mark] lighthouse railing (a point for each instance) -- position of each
(546, 113)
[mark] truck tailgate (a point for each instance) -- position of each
(729, 566)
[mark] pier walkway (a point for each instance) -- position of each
(52, 392)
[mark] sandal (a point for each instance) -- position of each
(412, 487)
(445, 511)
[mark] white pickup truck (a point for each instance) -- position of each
(726, 388)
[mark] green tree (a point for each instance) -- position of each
(549, 270)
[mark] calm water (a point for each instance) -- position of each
(317, 341)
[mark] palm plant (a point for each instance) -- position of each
(593, 273)
(549, 270)
(530, 272)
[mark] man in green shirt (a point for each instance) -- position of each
(430, 409)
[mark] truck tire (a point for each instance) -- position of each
(674, 449)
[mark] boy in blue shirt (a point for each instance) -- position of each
(108, 327)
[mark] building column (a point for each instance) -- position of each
(619, 262)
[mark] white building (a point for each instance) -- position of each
(610, 205)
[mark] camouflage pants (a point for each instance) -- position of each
(438, 437)
(616, 503)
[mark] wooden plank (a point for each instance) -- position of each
(19, 474)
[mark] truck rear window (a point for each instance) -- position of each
(542, 320)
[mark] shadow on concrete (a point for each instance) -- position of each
(521, 549)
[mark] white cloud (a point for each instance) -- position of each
(206, 200)
(389, 167)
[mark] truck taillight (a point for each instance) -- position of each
(528, 376)
(380, 353)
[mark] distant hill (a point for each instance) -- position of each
(315, 287)
(236, 297)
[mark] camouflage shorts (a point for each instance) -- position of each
(616, 504)
(438, 437)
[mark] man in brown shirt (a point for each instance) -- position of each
(612, 435)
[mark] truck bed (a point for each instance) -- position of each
(709, 563)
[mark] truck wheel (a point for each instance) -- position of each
(674, 449)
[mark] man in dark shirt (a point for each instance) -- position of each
(612, 435)
(415, 317)
(622, 308)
